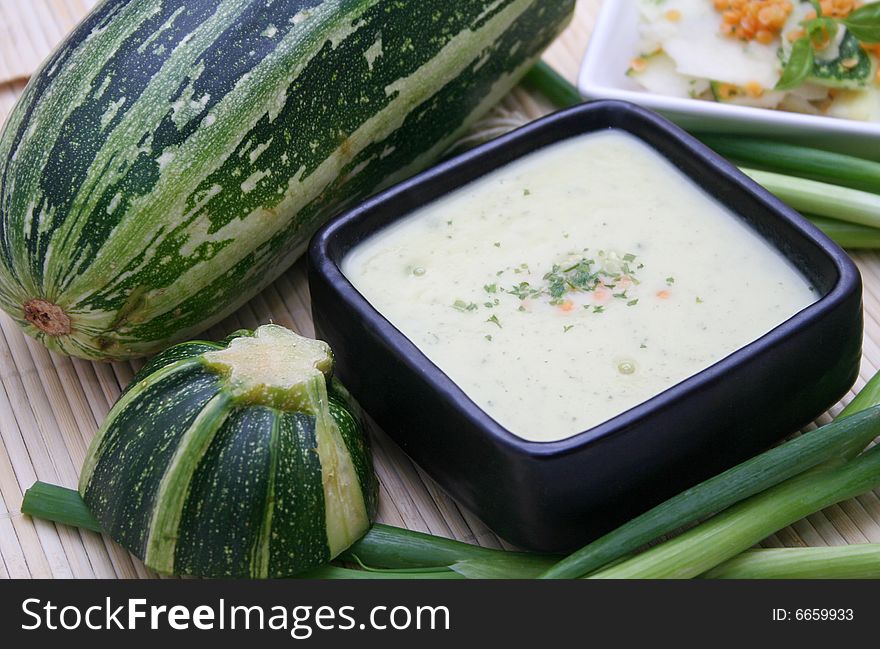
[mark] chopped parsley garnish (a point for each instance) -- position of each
(495, 321)
(699, 300)
(598, 309)
(632, 302)
(491, 288)
(567, 328)
(524, 290)
(583, 276)
(526, 192)
(497, 244)
(670, 281)
(488, 337)
(461, 305)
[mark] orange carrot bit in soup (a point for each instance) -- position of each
(567, 306)
(664, 294)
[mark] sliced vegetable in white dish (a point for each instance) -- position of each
(687, 30)
(728, 93)
(793, 55)
(657, 73)
(853, 104)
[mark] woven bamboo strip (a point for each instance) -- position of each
(30, 29)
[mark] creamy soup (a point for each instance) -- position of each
(576, 283)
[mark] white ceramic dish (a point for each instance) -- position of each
(614, 44)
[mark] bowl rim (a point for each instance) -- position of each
(750, 116)
(323, 261)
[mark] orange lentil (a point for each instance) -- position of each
(765, 37)
(567, 306)
(728, 91)
(673, 15)
(760, 20)
(663, 295)
(754, 89)
(838, 8)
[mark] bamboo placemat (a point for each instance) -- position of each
(50, 406)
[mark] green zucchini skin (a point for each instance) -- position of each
(173, 157)
(241, 482)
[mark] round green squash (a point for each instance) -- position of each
(235, 459)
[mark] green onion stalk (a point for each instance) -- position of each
(860, 561)
(544, 79)
(839, 473)
(825, 199)
(737, 529)
(835, 442)
(384, 553)
(847, 235)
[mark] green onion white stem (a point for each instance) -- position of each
(739, 528)
(847, 235)
(823, 199)
(861, 561)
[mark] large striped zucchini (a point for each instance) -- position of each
(238, 459)
(173, 157)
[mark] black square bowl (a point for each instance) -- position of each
(555, 496)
